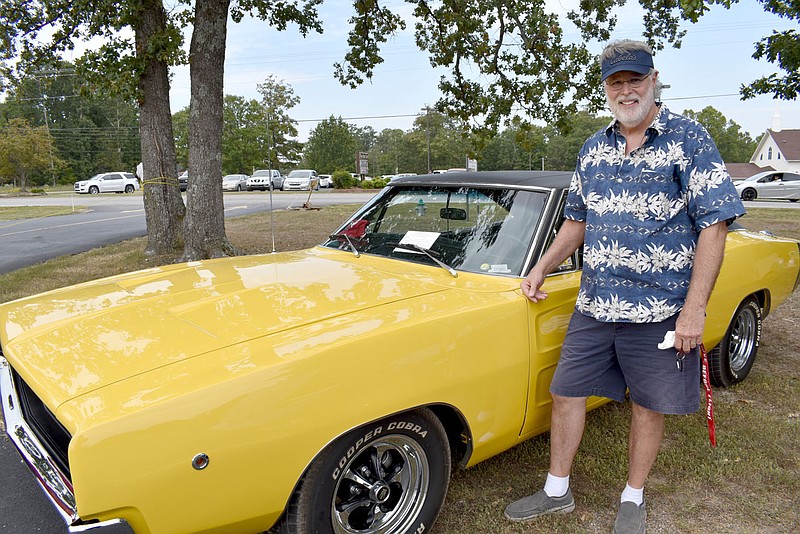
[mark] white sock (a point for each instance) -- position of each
(556, 486)
(636, 496)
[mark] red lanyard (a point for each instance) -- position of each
(712, 436)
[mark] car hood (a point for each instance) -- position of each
(69, 342)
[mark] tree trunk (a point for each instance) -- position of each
(163, 205)
(205, 218)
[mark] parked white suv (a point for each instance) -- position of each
(108, 182)
(262, 178)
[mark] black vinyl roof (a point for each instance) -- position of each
(548, 179)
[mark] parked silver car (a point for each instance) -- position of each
(770, 184)
(108, 182)
(302, 179)
(234, 182)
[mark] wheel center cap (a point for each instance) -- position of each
(380, 492)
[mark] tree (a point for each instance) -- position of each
(515, 148)
(91, 132)
(565, 142)
(277, 98)
(507, 58)
(331, 146)
(394, 152)
(33, 33)
(735, 145)
(24, 150)
(205, 235)
(782, 48)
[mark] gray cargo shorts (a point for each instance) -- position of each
(606, 359)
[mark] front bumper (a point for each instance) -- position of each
(55, 484)
(295, 187)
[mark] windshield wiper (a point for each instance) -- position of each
(349, 242)
(428, 253)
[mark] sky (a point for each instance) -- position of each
(713, 62)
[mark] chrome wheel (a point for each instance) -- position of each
(382, 489)
(731, 361)
(389, 476)
(743, 339)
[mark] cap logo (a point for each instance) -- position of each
(629, 56)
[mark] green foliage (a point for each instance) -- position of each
(277, 98)
(331, 145)
(735, 145)
(180, 129)
(24, 150)
(563, 144)
(374, 183)
(34, 32)
(91, 132)
(343, 180)
(518, 147)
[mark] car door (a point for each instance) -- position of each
(771, 186)
(791, 185)
(112, 183)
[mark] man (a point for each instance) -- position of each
(650, 201)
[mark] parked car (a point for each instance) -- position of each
(325, 180)
(329, 389)
(183, 180)
(234, 182)
(108, 182)
(770, 184)
(302, 179)
(263, 179)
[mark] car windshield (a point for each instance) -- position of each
(299, 174)
(261, 173)
(479, 230)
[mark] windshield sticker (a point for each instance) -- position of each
(421, 239)
(500, 268)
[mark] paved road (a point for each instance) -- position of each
(114, 218)
(24, 508)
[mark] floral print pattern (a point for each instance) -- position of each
(643, 212)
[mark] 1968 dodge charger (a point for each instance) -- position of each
(330, 389)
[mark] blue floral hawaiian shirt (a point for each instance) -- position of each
(643, 214)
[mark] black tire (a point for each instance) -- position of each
(730, 362)
(129, 188)
(390, 476)
(94, 190)
(749, 194)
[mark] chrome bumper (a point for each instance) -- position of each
(54, 483)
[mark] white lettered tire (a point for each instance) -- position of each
(389, 477)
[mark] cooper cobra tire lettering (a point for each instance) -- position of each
(388, 477)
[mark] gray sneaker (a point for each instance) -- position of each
(630, 518)
(539, 504)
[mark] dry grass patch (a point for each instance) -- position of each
(13, 213)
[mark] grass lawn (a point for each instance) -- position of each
(749, 484)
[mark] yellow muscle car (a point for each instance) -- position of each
(330, 389)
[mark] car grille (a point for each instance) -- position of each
(44, 425)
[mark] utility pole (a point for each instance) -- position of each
(428, 134)
(47, 129)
